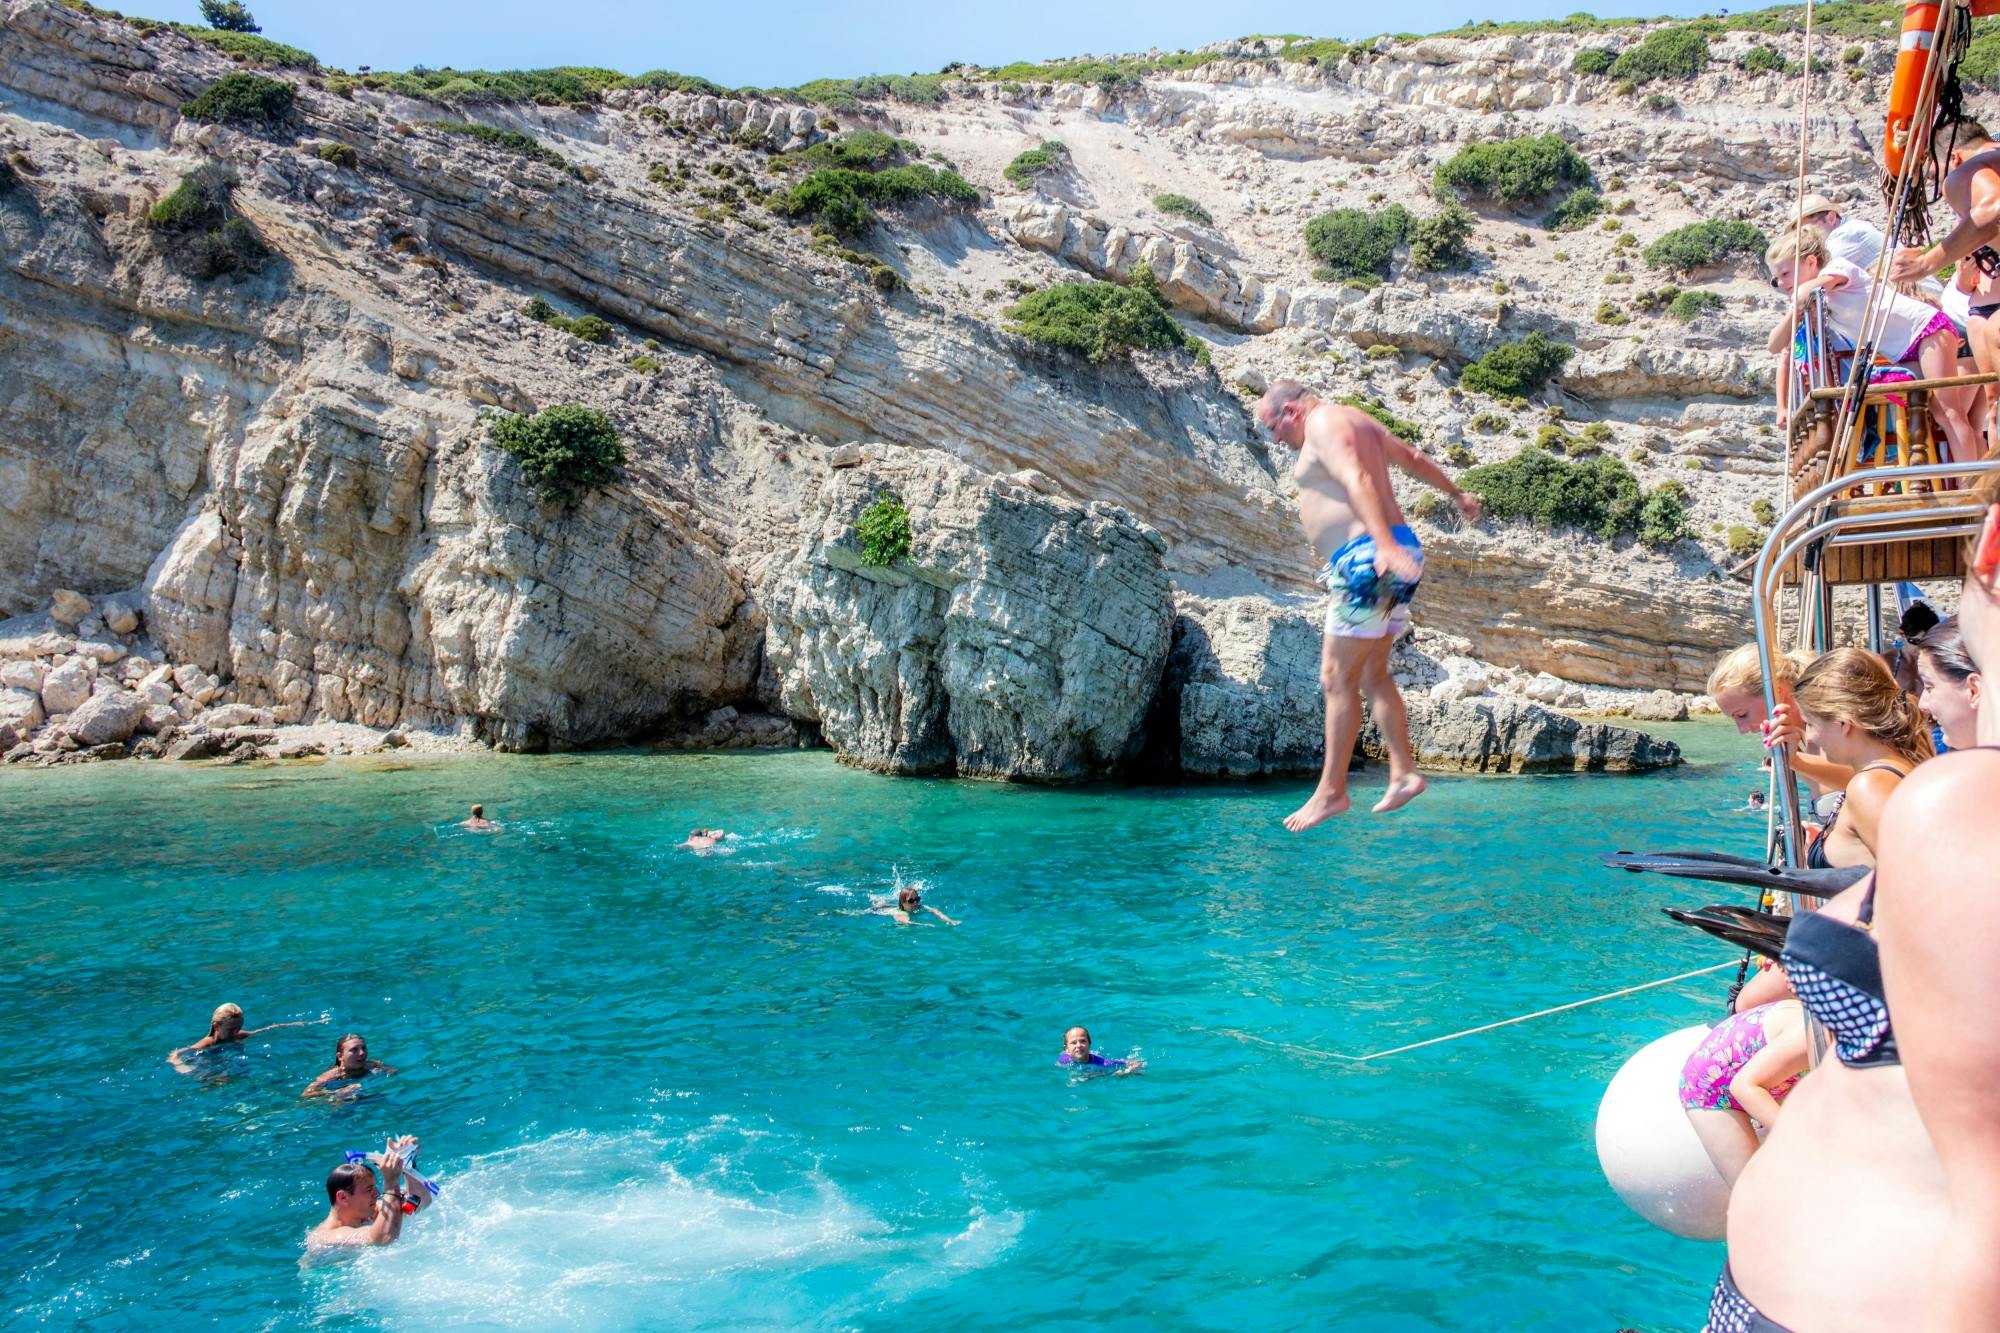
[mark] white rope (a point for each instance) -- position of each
(1488, 1027)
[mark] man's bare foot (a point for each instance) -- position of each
(1401, 792)
(1323, 805)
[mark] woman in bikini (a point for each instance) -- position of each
(1848, 709)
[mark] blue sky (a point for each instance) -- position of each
(776, 43)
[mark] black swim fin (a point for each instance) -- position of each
(1744, 927)
(1722, 868)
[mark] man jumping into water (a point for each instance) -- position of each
(1371, 563)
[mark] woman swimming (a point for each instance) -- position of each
(225, 1028)
(908, 903)
(350, 1065)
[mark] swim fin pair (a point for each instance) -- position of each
(1722, 868)
(1744, 927)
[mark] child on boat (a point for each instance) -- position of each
(1740, 1072)
(1909, 330)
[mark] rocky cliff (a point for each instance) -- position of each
(292, 472)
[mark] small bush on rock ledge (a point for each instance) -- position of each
(566, 450)
(243, 99)
(1103, 320)
(1036, 161)
(1516, 369)
(884, 530)
(1702, 245)
(206, 239)
(1180, 206)
(1351, 244)
(1514, 171)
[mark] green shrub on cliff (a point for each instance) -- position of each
(1702, 245)
(1180, 206)
(1666, 53)
(1663, 518)
(512, 140)
(1516, 369)
(1409, 432)
(1514, 171)
(884, 530)
(340, 154)
(1576, 210)
(1599, 495)
(1350, 243)
(203, 237)
(1036, 162)
(858, 150)
(1438, 242)
(1690, 306)
(841, 198)
(241, 98)
(565, 451)
(1594, 60)
(1102, 320)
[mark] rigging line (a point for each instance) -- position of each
(1799, 222)
(1487, 1027)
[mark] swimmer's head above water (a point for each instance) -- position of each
(226, 1023)
(909, 899)
(351, 1053)
(351, 1189)
(1076, 1044)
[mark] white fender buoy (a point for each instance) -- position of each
(1650, 1153)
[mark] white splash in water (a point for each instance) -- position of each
(587, 1230)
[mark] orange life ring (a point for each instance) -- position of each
(1913, 58)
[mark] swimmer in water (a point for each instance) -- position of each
(1076, 1051)
(361, 1213)
(1756, 801)
(225, 1028)
(704, 839)
(908, 903)
(479, 823)
(350, 1065)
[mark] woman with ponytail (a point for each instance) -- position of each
(1850, 710)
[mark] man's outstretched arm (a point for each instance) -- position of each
(1418, 465)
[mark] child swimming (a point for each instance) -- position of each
(1076, 1052)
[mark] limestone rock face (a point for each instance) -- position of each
(1242, 692)
(68, 607)
(20, 713)
(66, 686)
(1023, 637)
(106, 718)
(1506, 735)
(358, 567)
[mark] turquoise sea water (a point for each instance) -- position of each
(676, 1091)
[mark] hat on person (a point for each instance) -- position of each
(1815, 204)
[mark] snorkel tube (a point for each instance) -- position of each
(374, 1159)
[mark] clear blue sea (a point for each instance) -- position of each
(669, 1091)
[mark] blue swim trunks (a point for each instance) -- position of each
(1367, 605)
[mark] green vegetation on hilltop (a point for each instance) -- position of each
(1516, 369)
(228, 16)
(1594, 60)
(1103, 320)
(512, 140)
(249, 48)
(1513, 171)
(845, 94)
(1036, 161)
(565, 450)
(564, 85)
(243, 99)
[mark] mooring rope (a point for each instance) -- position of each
(1485, 1027)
